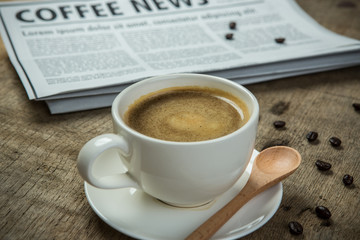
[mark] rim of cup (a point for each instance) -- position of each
(117, 118)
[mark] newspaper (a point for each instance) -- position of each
(78, 55)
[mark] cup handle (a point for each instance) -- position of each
(92, 150)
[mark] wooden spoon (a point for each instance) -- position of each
(270, 167)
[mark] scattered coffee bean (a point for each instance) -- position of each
(323, 212)
(232, 25)
(229, 36)
(312, 136)
(335, 142)
(279, 124)
(348, 179)
(356, 106)
(295, 228)
(323, 166)
(280, 40)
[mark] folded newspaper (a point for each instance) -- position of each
(79, 55)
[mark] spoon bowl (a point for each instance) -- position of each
(270, 167)
(278, 160)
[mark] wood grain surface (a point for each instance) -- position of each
(42, 195)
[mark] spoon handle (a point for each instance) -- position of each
(216, 221)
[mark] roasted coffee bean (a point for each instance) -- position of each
(356, 106)
(312, 136)
(348, 179)
(279, 124)
(232, 25)
(295, 228)
(280, 40)
(335, 142)
(229, 36)
(323, 166)
(323, 212)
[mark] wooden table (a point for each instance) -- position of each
(42, 195)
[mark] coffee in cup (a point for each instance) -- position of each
(187, 114)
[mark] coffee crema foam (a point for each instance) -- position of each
(187, 114)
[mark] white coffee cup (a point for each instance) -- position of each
(179, 173)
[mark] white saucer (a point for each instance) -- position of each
(138, 215)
